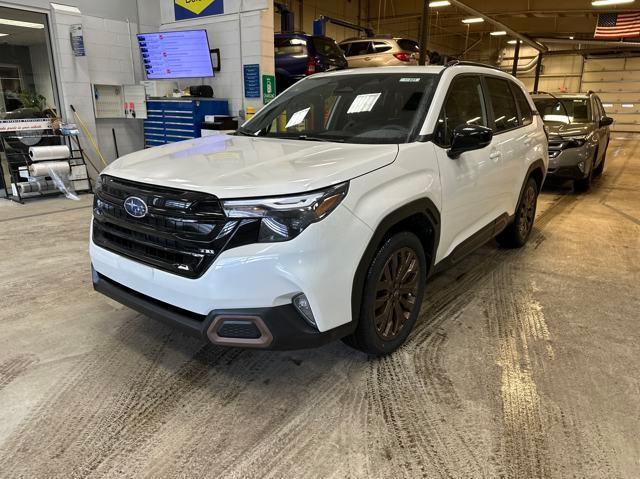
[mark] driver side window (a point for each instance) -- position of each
(464, 106)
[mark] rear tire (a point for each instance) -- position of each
(517, 233)
(393, 293)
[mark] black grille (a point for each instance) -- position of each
(183, 231)
(239, 329)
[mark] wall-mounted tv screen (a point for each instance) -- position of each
(180, 54)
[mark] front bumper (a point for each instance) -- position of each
(279, 327)
(321, 263)
(572, 163)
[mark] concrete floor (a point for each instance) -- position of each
(524, 364)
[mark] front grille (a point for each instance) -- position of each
(182, 233)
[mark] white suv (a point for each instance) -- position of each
(324, 216)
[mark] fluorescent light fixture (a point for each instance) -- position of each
(604, 3)
(627, 105)
(607, 105)
(441, 3)
(18, 23)
(66, 8)
(499, 33)
(4, 34)
(571, 38)
(513, 42)
(473, 20)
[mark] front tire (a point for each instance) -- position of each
(517, 233)
(393, 293)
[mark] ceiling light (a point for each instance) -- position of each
(499, 33)
(18, 23)
(607, 105)
(627, 105)
(571, 38)
(441, 3)
(513, 42)
(602, 3)
(473, 20)
(3, 34)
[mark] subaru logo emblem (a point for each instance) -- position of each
(136, 207)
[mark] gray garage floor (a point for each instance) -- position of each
(524, 364)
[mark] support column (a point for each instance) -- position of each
(516, 57)
(424, 33)
(538, 71)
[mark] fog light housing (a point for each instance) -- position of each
(581, 166)
(301, 303)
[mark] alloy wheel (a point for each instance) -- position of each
(396, 292)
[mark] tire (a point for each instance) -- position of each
(600, 168)
(583, 185)
(393, 293)
(517, 233)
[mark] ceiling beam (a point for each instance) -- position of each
(525, 39)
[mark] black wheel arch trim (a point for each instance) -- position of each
(422, 206)
(536, 165)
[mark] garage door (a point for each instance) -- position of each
(617, 82)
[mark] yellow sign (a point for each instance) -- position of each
(195, 6)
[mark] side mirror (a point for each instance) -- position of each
(468, 138)
(606, 121)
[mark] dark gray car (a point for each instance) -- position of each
(578, 130)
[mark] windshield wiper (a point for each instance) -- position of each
(317, 138)
(243, 132)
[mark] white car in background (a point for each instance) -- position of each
(380, 52)
(323, 217)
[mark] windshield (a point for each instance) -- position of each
(556, 111)
(326, 47)
(353, 108)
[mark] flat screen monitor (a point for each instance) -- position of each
(172, 55)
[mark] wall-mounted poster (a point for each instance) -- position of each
(188, 9)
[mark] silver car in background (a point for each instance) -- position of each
(578, 130)
(380, 51)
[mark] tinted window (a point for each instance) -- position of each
(464, 106)
(326, 47)
(526, 115)
(354, 108)
(505, 113)
(408, 45)
(359, 48)
(380, 47)
(290, 46)
(564, 110)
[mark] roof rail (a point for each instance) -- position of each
(461, 63)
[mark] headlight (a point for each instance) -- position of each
(283, 218)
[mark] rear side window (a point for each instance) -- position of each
(464, 106)
(408, 45)
(505, 113)
(380, 47)
(290, 46)
(359, 48)
(326, 47)
(526, 115)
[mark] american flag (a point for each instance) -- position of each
(618, 25)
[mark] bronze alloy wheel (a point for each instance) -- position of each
(396, 293)
(527, 211)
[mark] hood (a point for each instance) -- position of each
(571, 129)
(239, 166)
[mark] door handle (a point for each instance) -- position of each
(495, 155)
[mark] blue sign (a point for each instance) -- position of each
(188, 9)
(252, 81)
